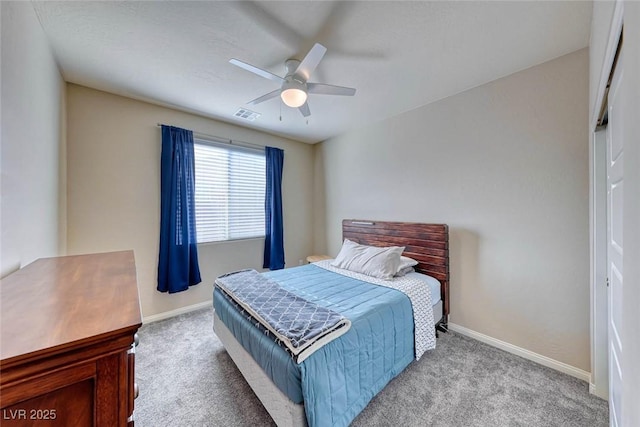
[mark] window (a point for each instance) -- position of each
(230, 185)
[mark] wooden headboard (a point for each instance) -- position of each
(426, 243)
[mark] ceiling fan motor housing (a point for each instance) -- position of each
(291, 82)
(291, 65)
(294, 89)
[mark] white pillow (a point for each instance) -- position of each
(405, 262)
(404, 271)
(382, 263)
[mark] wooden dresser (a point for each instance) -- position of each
(67, 335)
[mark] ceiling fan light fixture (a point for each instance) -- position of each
(293, 97)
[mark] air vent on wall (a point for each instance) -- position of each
(245, 114)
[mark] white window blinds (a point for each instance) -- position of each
(230, 185)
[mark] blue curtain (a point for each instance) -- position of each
(178, 259)
(274, 234)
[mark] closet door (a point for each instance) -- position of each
(615, 186)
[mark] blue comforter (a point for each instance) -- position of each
(300, 325)
(338, 380)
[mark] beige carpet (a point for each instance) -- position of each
(187, 379)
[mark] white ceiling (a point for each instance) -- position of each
(398, 55)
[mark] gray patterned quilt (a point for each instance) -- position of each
(301, 325)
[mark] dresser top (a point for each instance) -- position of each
(57, 303)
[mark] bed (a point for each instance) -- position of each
(323, 389)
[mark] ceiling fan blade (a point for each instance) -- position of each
(311, 61)
(272, 23)
(323, 89)
(256, 70)
(304, 109)
(266, 97)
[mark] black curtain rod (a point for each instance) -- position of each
(229, 141)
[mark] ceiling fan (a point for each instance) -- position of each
(295, 86)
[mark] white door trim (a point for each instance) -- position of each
(599, 379)
(609, 56)
(596, 356)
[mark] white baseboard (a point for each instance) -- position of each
(176, 312)
(602, 392)
(509, 348)
(519, 351)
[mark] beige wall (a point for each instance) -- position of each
(33, 104)
(113, 190)
(506, 166)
